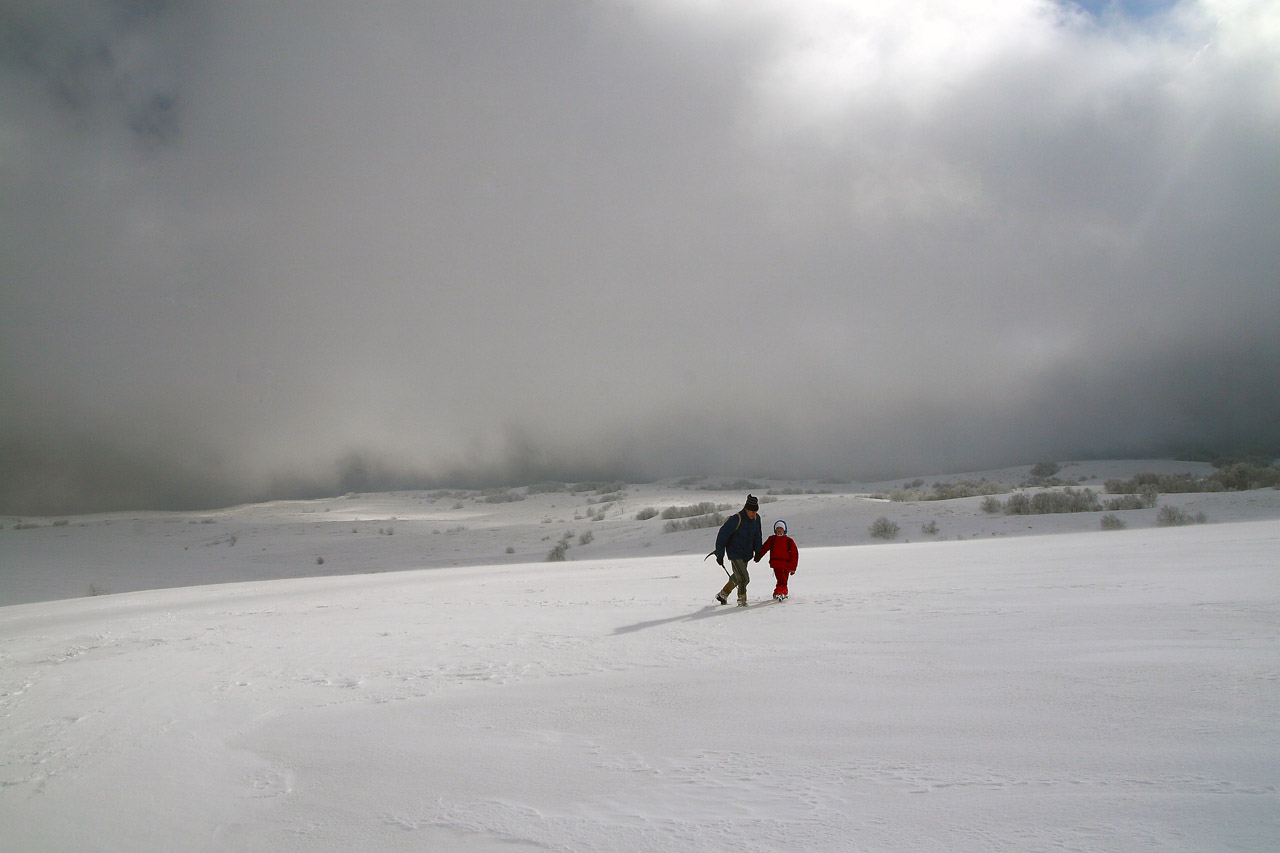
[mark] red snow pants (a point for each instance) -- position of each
(781, 575)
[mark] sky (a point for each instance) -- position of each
(284, 249)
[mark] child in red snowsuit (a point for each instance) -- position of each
(783, 557)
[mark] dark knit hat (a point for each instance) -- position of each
(752, 503)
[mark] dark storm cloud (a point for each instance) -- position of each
(263, 249)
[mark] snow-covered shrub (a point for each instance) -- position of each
(1127, 502)
(560, 552)
(646, 514)
(883, 528)
(715, 519)
(1045, 503)
(1019, 503)
(946, 491)
(1112, 522)
(1044, 470)
(1172, 516)
(703, 508)
(1067, 500)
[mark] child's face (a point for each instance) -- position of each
(779, 530)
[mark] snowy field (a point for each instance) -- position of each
(1004, 683)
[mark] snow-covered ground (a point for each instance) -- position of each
(1006, 683)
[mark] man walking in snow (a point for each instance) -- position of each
(739, 538)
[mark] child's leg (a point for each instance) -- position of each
(781, 575)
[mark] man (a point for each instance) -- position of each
(740, 539)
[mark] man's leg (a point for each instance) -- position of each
(741, 578)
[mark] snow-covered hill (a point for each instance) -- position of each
(1084, 690)
(356, 534)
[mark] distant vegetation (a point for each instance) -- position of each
(560, 551)
(1065, 500)
(1172, 516)
(703, 508)
(1236, 477)
(735, 486)
(917, 491)
(883, 528)
(796, 491)
(1044, 470)
(699, 522)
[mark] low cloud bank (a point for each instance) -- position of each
(308, 249)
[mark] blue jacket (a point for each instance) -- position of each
(739, 536)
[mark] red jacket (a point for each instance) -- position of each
(782, 551)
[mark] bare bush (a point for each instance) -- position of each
(1045, 470)
(1172, 516)
(883, 528)
(1046, 503)
(1019, 503)
(1127, 502)
(560, 552)
(1067, 500)
(699, 522)
(1112, 522)
(703, 508)
(946, 491)
(1234, 477)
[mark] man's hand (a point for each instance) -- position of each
(720, 560)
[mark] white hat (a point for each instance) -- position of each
(782, 524)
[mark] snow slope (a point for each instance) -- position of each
(358, 534)
(1076, 691)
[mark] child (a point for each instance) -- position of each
(783, 556)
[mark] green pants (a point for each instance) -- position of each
(740, 578)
